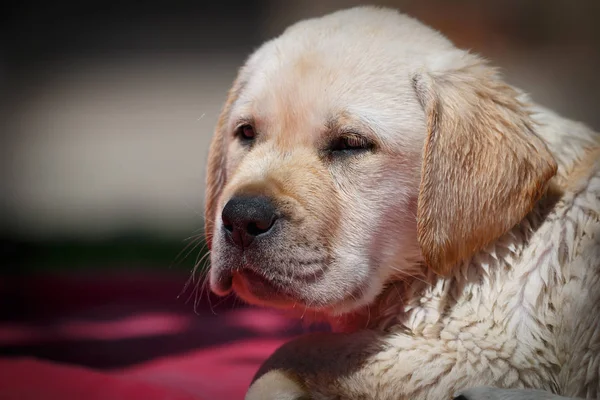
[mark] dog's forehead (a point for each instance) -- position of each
(299, 97)
(300, 94)
(350, 63)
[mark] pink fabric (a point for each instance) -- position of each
(108, 344)
(32, 379)
(217, 373)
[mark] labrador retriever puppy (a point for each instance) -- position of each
(366, 171)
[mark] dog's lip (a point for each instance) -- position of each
(223, 285)
(254, 278)
(258, 286)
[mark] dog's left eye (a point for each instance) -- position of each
(349, 143)
(246, 133)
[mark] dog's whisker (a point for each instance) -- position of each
(190, 280)
(194, 295)
(192, 209)
(304, 312)
(194, 243)
(205, 288)
(223, 300)
(408, 275)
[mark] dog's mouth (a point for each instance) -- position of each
(257, 289)
(254, 288)
(289, 286)
(254, 283)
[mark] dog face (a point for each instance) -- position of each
(355, 149)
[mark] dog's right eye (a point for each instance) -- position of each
(246, 133)
(349, 144)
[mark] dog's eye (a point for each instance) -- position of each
(350, 143)
(246, 133)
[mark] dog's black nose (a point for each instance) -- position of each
(245, 217)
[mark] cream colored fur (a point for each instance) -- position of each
(463, 251)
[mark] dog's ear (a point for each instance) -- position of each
(217, 158)
(483, 166)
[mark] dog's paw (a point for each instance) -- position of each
(276, 385)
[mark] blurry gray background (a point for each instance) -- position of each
(107, 108)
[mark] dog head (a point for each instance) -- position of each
(358, 148)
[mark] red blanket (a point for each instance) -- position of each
(217, 373)
(128, 338)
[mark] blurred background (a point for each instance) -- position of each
(106, 111)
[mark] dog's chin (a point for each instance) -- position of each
(256, 290)
(319, 295)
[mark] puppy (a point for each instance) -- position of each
(365, 170)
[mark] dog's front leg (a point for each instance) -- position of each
(365, 365)
(318, 366)
(395, 366)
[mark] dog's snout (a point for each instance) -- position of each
(245, 217)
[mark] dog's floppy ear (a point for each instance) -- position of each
(215, 170)
(483, 167)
